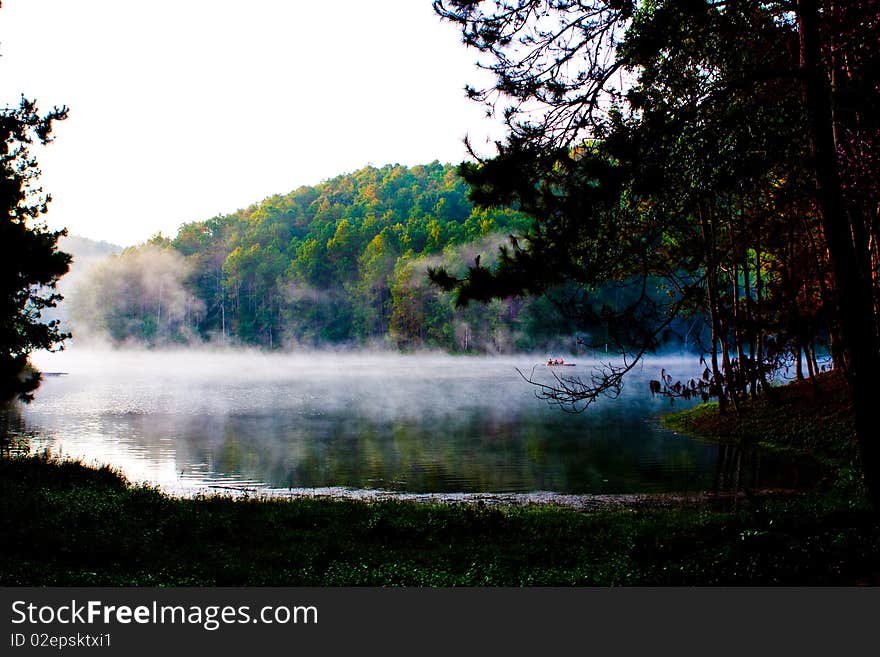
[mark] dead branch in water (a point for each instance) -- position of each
(574, 395)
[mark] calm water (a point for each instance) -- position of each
(200, 420)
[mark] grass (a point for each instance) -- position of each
(810, 418)
(65, 524)
(813, 418)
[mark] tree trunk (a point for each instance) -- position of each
(759, 312)
(853, 287)
(718, 387)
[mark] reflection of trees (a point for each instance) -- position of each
(14, 438)
(415, 424)
(614, 452)
(745, 468)
(443, 452)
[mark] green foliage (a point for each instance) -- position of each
(680, 146)
(342, 262)
(812, 417)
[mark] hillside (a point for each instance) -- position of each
(342, 262)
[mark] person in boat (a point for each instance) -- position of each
(549, 360)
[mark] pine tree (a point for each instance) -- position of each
(30, 262)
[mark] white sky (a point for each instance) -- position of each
(183, 109)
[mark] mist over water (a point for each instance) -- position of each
(191, 420)
(217, 420)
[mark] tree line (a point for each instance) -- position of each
(728, 148)
(342, 262)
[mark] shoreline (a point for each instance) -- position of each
(586, 502)
(73, 525)
(69, 524)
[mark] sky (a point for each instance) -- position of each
(184, 109)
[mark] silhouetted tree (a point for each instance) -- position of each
(30, 262)
(712, 143)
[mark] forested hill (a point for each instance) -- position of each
(340, 262)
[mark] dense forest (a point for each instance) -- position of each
(679, 155)
(343, 262)
(730, 148)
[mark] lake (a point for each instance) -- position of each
(200, 421)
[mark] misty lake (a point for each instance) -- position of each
(194, 421)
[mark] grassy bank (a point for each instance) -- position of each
(813, 418)
(67, 524)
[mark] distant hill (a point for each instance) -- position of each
(84, 249)
(343, 263)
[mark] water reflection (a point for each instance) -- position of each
(15, 439)
(402, 423)
(745, 467)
